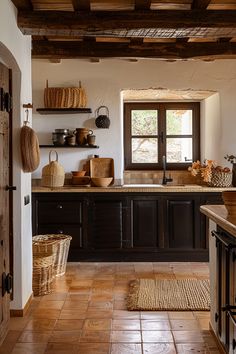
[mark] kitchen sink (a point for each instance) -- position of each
(142, 185)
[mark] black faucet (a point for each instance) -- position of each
(165, 179)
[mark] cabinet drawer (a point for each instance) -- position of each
(61, 211)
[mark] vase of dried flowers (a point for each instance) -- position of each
(213, 174)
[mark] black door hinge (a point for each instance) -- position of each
(216, 317)
(7, 102)
(7, 283)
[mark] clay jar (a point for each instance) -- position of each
(81, 135)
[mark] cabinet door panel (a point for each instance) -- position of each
(180, 223)
(107, 224)
(145, 223)
(59, 211)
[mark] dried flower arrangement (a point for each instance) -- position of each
(207, 170)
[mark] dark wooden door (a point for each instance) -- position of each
(107, 223)
(182, 223)
(4, 203)
(145, 223)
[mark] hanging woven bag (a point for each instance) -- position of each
(30, 153)
(53, 174)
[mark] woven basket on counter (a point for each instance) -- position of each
(53, 174)
(221, 179)
(64, 97)
(57, 244)
(43, 274)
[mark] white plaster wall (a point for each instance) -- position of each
(104, 82)
(15, 52)
(211, 132)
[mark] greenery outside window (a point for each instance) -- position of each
(153, 130)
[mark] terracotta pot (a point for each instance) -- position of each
(81, 135)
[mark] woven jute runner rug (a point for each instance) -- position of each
(169, 295)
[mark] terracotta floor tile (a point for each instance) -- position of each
(55, 304)
(29, 348)
(102, 297)
(69, 314)
(191, 348)
(89, 336)
(129, 315)
(155, 325)
(154, 315)
(18, 323)
(97, 324)
(101, 305)
(126, 348)
(78, 297)
(127, 325)
(40, 324)
(35, 337)
(126, 336)
(61, 348)
(159, 348)
(181, 315)
(68, 325)
(49, 314)
(65, 336)
(203, 324)
(54, 296)
(94, 348)
(184, 325)
(99, 313)
(9, 341)
(187, 336)
(82, 305)
(157, 336)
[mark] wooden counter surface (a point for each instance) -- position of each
(188, 188)
(219, 215)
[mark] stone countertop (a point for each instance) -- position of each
(188, 188)
(219, 215)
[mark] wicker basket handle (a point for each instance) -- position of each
(50, 153)
(101, 107)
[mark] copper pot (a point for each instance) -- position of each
(81, 135)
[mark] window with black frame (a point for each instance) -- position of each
(153, 130)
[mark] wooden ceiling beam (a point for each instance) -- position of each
(200, 4)
(81, 5)
(95, 23)
(178, 50)
(23, 4)
(142, 4)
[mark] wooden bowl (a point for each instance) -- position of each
(78, 173)
(102, 181)
(229, 198)
(80, 181)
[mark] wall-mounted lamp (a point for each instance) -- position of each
(102, 120)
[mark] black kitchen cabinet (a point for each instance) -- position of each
(127, 226)
(107, 222)
(182, 222)
(61, 213)
(145, 222)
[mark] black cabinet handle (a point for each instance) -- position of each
(221, 237)
(60, 232)
(59, 206)
(10, 188)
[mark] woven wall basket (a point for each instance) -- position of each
(64, 97)
(30, 153)
(53, 174)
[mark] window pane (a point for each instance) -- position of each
(144, 122)
(179, 150)
(178, 122)
(144, 150)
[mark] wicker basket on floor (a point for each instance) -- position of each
(58, 244)
(43, 274)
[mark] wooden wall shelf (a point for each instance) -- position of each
(69, 146)
(63, 110)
